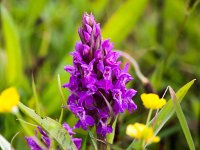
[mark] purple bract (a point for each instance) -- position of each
(97, 83)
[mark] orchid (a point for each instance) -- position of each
(97, 83)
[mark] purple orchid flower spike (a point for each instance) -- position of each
(97, 83)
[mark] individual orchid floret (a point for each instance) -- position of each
(45, 140)
(97, 83)
(152, 101)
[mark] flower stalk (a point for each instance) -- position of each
(101, 142)
(149, 116)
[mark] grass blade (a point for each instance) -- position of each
(37, 103)
(2, 68)
(63, 99)
(110, 137)
(51, 126)
(182, 119)
(168, 110)
(12, 46)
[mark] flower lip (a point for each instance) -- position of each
(107, 73)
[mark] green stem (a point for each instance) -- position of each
(101, 145)
(24, 126)
(61, 115)
(147, 122)
(149, 116)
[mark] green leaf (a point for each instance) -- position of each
(12, 46)
(182, 119)
(2, 68)
(166, 112)
(36, 98)
(123, 20)
(45, 43)
(63, 99)
(51, 126)
(110, 137)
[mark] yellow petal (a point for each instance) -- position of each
(141, 131)
(154, 139)
(132, 131)
(152, 101)
(9, 99)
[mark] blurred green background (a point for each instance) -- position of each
(36, 37)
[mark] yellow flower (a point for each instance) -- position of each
(9, 99)
(141, 131)
(152, 101)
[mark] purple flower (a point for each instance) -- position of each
(97, 83)
(44, 139)
(32, 144)
(77, 141)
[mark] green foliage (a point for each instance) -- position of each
(110, 137)
(182, 119)
(168, 110)
(165, 113)
(13, 49)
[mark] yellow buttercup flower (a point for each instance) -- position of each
(9, 99)
(141, 131)
(152, 101)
